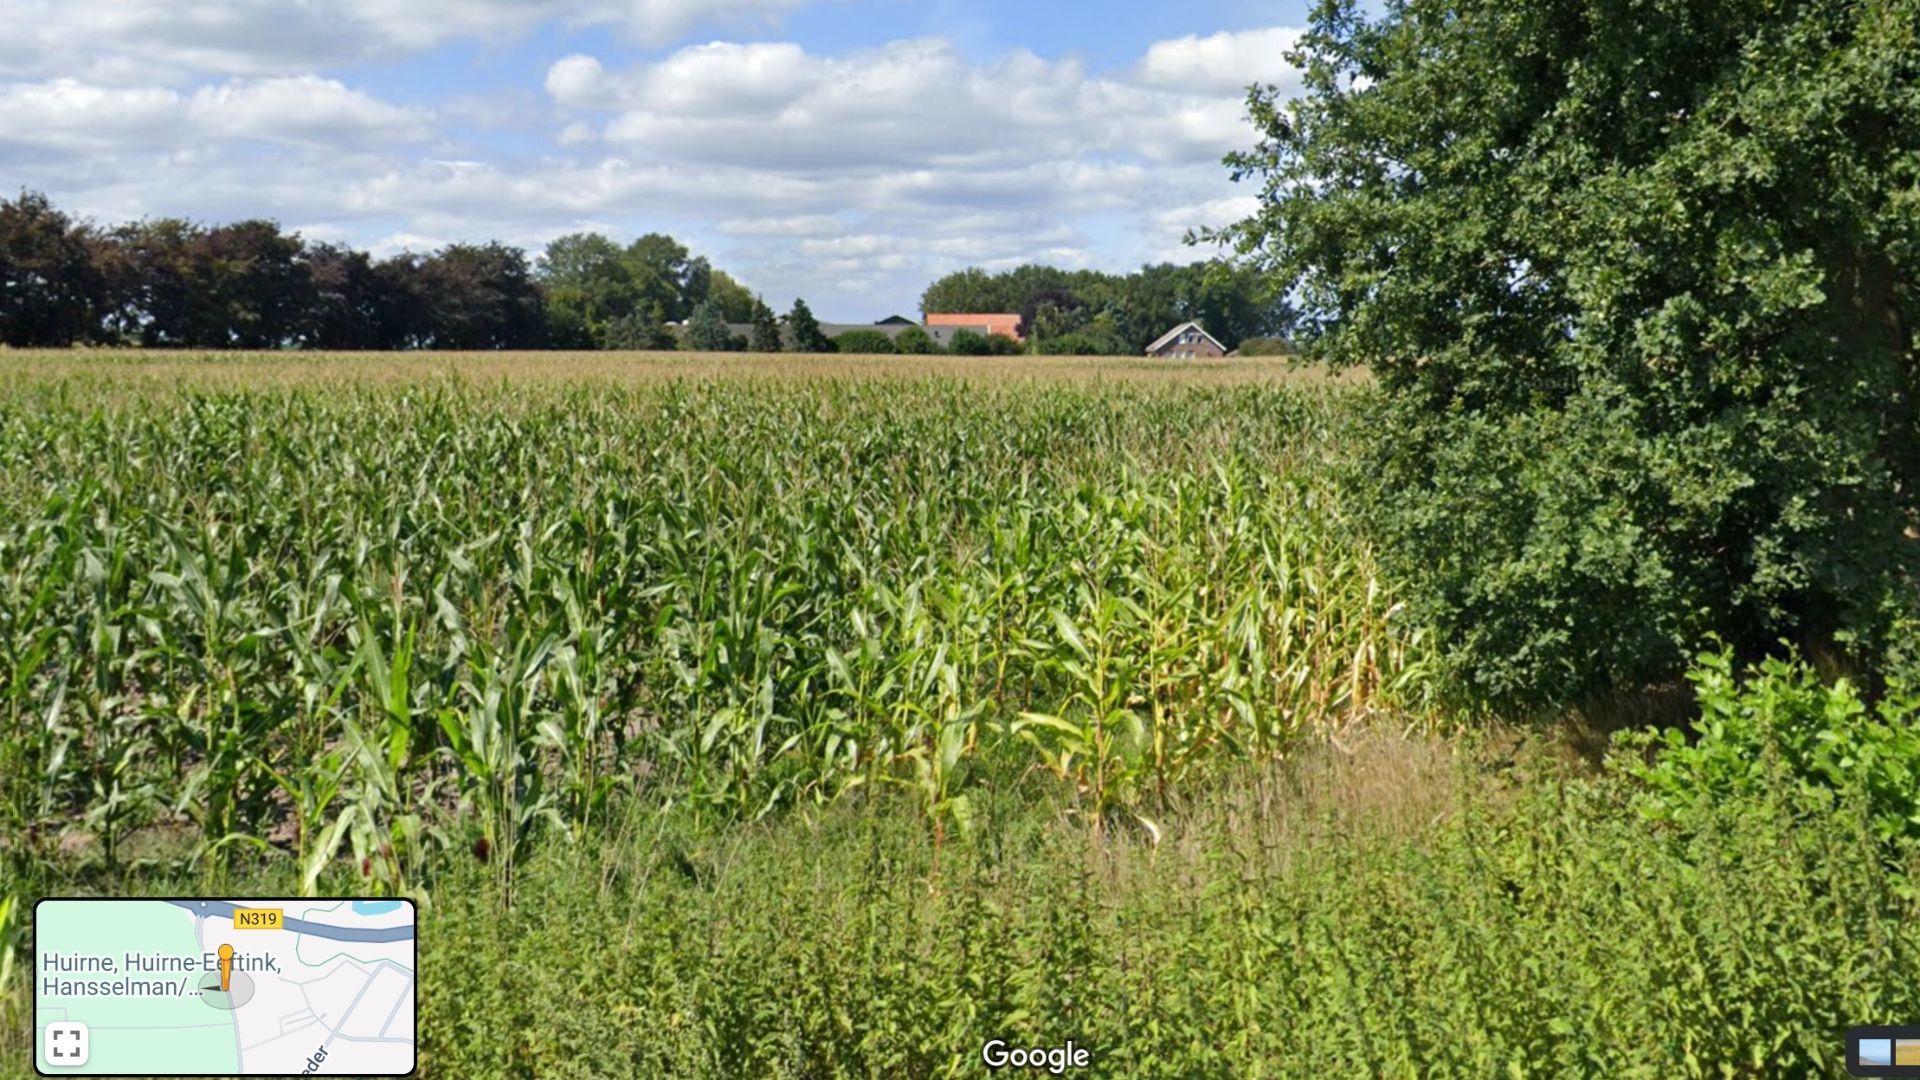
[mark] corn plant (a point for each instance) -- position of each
(375, 629)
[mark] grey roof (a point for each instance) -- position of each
(1164, 339)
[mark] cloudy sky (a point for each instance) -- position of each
(848, 151)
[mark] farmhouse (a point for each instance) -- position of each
(979, 324)
(1186, 341)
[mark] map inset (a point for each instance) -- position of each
(223, 987)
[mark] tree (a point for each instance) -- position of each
(51, 292)
(915, 340)
(970, 291)
(158, 287)
(482, 296)
(403, 318)
(1232, 302)
(582, 259)
(766, 329)
(1639, 293)
(804, 330)
(588, 284)
(1051, 312)
(259, 283)
(736, 302)
(345, 309)
(666, 277)
(641, 330)
(568, 329)
(864, 341)
(1150, 303)
(175, 283)
(708, 332)
(170, 282)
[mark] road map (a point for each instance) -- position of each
(223, 987)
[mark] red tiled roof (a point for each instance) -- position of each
(995, 324)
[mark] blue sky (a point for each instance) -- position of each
(847, 151)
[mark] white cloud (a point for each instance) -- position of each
(148, 39)
(64, 114)
(655, 21)
(579, 82)
(1210, 214)
(68, 114)
(303, 108)
(577, 133)
(1226, 62)
(850, 178)
(911, 102)
(802, 225)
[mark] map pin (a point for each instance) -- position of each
(226, 969)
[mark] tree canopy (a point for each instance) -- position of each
(766, 329)
(803, 330)
(174, 282)
(50, 284)
(1638, 284)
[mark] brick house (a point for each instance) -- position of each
(1186, 342)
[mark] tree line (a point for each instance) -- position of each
(169, 282)
(173, 283)
(1095, 313)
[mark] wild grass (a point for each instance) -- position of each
(1405, 907)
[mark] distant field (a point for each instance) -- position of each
(243, 369)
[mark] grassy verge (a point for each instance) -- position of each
(1414, 908)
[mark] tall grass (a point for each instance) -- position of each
(1411, 910)
(364, 627)
(1417, 916)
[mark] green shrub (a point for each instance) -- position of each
(916, 341)
(1782, 727)
(863, 341)
(969, 343)
(1267, 346)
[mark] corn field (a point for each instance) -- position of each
(371, 627)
